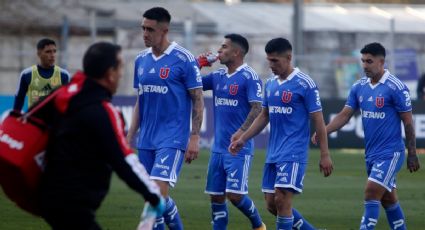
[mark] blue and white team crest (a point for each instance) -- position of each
(379, 102)
(233, 89)
(163, 72)
(286, 96)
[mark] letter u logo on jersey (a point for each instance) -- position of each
(233, 89)
(379, 102)
(163, 73)
(286, 96)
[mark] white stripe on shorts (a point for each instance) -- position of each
(392, 167)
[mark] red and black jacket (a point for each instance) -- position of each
(86, 144)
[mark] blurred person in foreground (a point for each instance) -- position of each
(237, 92)
(39, 80)
(87, 143)
(291, 100)
(384, 102)
(169, 87)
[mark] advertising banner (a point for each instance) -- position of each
(350, 136)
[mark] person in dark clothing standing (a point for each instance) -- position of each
(87, 143)
(420, 90)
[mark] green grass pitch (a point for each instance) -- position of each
(328, 203)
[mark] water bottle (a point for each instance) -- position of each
(212, 57)
(208, 59)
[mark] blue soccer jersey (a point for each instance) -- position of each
(290, 103)
(164, 101)
(380, 105)
(232, 96)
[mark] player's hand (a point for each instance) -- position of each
(202, 59)
(314, 139)
(192, 149)
(413, 162)
(236, 135)
(236, 146)
(325, 164)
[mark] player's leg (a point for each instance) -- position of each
(300, 223)
(381, 180)
(237, 170)
(372, 204)
(147, 158)
(267, 187)
(216, 185)
(219, 212)
(165, 171)
(395, 215)
(283, 199)
(389, 201)
(289, 178)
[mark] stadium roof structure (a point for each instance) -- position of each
(273, 18)
(249, 18)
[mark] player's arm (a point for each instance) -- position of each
(253, 113)
(340, 119)
(65, 77)
(336, 123)
(197, 115)
(259, 124)
(412, 159)
(24, 82)
(325, 158)
(135, 121)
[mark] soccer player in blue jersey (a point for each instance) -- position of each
(383, 101)
(39, 80)
(237, 92)
(169, 85)
(291, 100)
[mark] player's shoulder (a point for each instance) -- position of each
(25, 75)
(143, 53)
(26, 71)
(271, 79)
(182, 53)
(304, 80)
(361, 82)
(220, 71)
(249, 73)
(394, 83)
(64, 72)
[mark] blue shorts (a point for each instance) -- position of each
(287, 175)
(228, 173)
(162, 164)
(384, 171)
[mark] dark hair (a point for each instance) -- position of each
(375, 49)
(45, 42)
(278, 45)
(239, 40)
(99, 57)
(158, 14)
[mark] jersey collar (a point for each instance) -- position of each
(237, 70)
(166, 51)
(384, 77)
(292, 75)
(382, 80)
